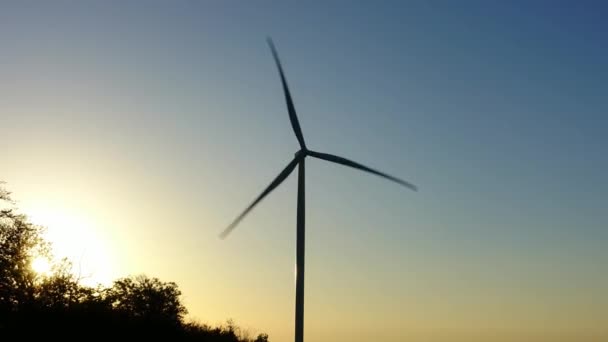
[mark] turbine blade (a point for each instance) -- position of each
(278, 180)
(344, 161)
(295, 124)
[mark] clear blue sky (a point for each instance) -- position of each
(160, 121)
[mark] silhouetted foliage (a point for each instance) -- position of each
(57, 306)
(146, 298)
(19, 242)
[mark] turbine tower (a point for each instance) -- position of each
(298, 161)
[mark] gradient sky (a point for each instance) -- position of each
(138, 130)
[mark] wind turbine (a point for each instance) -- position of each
(298, 160)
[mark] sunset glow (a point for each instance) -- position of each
(41, 265)
(76, 238)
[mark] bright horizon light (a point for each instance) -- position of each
(41, 265)
(76, 238)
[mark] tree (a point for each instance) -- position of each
(20, 242)
(20, 286)
(262, 338)
(57, 306)
(62, 290)
(147, 298)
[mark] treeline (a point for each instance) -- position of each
(56, 305)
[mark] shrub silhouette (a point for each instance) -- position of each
(57, 306)
(146, 298)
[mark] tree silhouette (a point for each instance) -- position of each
(58, 306)
(20, 241)
(61, 290)
(147, 298)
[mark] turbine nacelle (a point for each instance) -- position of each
(301, 154)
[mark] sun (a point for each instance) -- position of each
(41, 266)
(78, 239)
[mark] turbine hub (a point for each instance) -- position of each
(301, 153)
